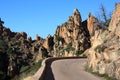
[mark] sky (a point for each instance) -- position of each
(43, 16)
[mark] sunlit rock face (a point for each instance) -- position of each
(104, 54)
(77, 17)
(17, 51)
(72, 36)
(115, 21)
(92, 24)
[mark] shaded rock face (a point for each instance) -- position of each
(104, 54)
(43, 51)
(72, 35)
(48, 43)
(17, 51)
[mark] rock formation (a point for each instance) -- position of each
(77, 17)
(37, 37)
(103, 56)
(70, 39)
(72, 36)
(48, 43)
(16, 51)
(115, 21)
(92, 24)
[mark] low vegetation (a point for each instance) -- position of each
(3, 45)
(90, 70)
(29, 70)
(69, 47)
(79, 52)
(100, 48)
(58, 38)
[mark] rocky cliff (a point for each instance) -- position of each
(72, 37)
(104, 54)
(17, 51)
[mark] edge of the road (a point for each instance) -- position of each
(40, 73)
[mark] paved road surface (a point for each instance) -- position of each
(68, 69)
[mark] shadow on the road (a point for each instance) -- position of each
(48, 75)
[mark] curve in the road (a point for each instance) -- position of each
(67, 69)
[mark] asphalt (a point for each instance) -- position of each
(68, 69)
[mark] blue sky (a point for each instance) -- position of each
(43, 16)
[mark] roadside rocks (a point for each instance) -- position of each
(103, 56)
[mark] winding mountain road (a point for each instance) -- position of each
(68, 69)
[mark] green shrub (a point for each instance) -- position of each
(108, 22)
(79, 52)
(30, 70)
(3, 45)
(24, 68)
(58, 38)
(10, 51)
(35, 67)
(69, 47)
(100, 48)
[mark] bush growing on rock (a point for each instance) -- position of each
(100, 48)
(79, 52)
(69, 47)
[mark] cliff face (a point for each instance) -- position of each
(71, 37)
(16, 51)
(104, 54)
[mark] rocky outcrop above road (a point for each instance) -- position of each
(92, 24)
(18, 51)
(104, 54)
(48, 43)
(72, 37)
(115, 21)
(76, 17)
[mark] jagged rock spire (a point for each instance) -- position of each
(114, 25)
(92, 24)
(77, 17)
(76, 11)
